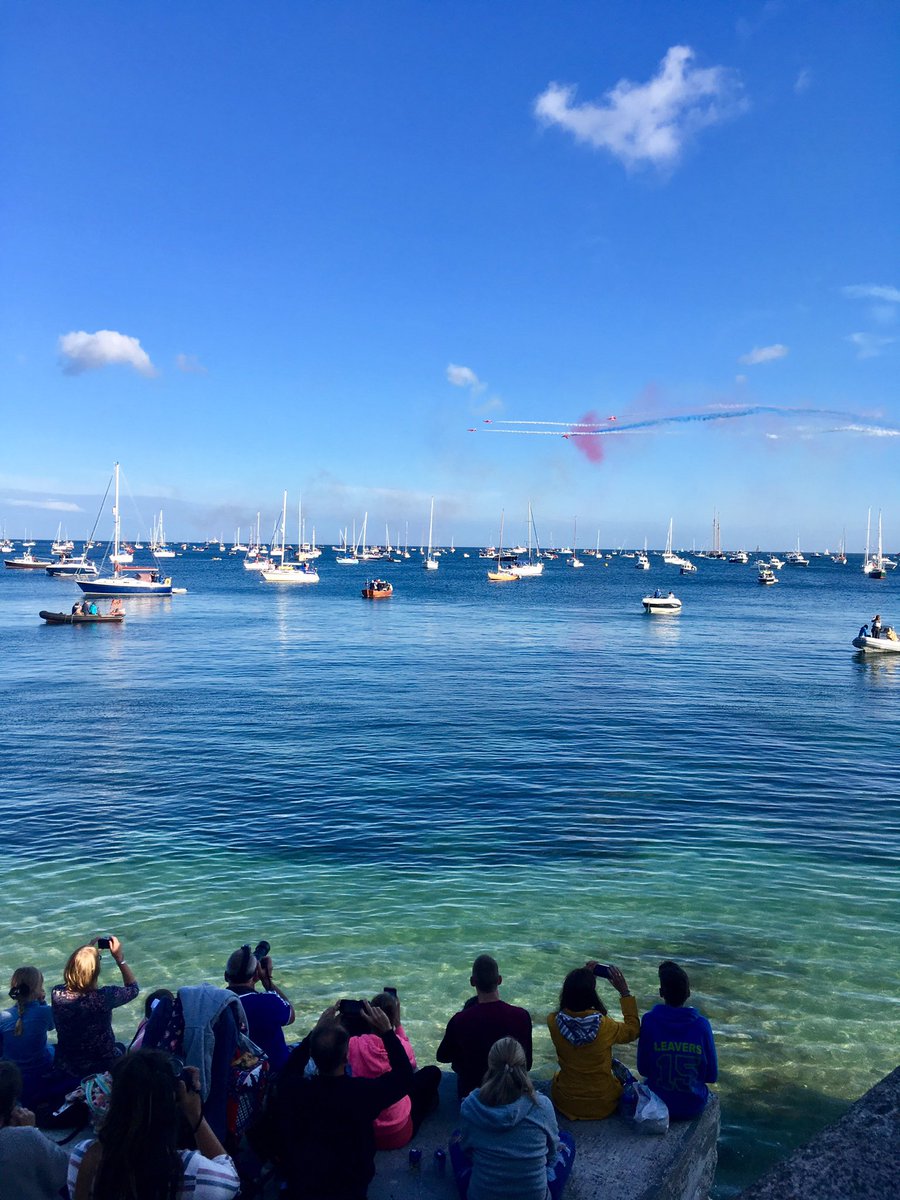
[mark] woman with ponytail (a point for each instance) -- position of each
(23, 1029)
(138, 1153)
(510, 1144)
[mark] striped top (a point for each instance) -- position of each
(204, 1178)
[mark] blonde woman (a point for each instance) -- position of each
(509, 1144)
(23, 1033)
(85, 1042)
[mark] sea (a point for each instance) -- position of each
(539, 770)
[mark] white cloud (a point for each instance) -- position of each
(90, 351)
(764, 354)
(464, 377)
(869, 345)
(803, 81)
(190, 364)
(52, 505)
(873, 291)
(646, 122)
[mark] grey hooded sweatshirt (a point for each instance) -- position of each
(510, 1146)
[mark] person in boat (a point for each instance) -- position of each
(509, 1144)
(115, 609)
(864, 631)
(76, 608)
(399, 1122)
(891, 634)
(93, 609)
(876, 626)
(676, 1052)
(657, 594)
(485, 1018)
(583, 1034)
(267, 1011)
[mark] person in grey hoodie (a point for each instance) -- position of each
(510, 1144)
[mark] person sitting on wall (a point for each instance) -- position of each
(318, 1129)
(676, 1051)
(31, 1164)
(368, 1059)
(268, 1011)
(485, 1019)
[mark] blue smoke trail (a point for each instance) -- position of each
(593, 428)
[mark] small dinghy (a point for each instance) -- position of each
(879, 645)
(57, 618)
(657, 603)
(377, 589)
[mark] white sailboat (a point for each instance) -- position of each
(287, 572)
(430, 563)
(158, 545)
(874, 565)
(525, 570)
(575, 561)
(125, 580)
(502, 574)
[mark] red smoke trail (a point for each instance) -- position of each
(590, 447)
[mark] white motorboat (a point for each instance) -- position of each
(687, 567)
(879, 645)
(775, 562)
(657, 603)
(766, 576)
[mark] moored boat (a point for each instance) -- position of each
(70, 618)
(27, 562)
(377, 589)
(658, 603)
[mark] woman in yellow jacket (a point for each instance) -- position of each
(584, 1088)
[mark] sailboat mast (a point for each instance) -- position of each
(283, 524)
(116, 522)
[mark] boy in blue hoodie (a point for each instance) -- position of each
(676, 1053)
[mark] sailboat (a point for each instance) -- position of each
(841, 557)
(430, 563)
(124, 580)
(575, 561)
(524, 570)
(874, 566)
(502, 574)
(642, 562)
(158, 546)
(256, 559)
(287, 572)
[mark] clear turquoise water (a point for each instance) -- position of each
(540, 770)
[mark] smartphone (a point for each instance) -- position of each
(390, 991)
(104, 943)
(350, 1008)
(601, 971)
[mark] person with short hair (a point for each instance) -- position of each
(676, 1051)
(583, 1034)
(510, 1144)
(268, 1011)
(32, 1167)
(368, 1059)
(154, 1111)
(82, 1011)
(485, 1019)
(319, 1129)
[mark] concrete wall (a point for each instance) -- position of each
(858, 1157)
(611, 1159)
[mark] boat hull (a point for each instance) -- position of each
(124, 587)
(882, 645)
(58, 618)
(661, 605)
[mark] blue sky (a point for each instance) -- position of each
(309, 246)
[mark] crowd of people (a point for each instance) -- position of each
(323, 1108)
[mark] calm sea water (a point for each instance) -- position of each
(384, 790)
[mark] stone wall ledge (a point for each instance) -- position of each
(857, 1157)
(611, 1159)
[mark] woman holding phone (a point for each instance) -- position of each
(584, 1088)
(82, 1011)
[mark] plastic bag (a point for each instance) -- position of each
(650, 1113)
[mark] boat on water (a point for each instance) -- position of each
(158, 540)
(125, 580)
(887, 643)
(27, 562)
(687, 567)
(503, 572)
(377, 589)
(794, 558)
(73, 564)
(875, 566)
(530, 567)
(74, 618)
(283, 571)
(658, 603)
(430, 563)
(766, 576)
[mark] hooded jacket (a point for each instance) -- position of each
(584, 1088)
(677, 1055)
(510, 1147)
(368, 1059)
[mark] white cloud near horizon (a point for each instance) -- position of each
(51, 505)
(872, 291)
(190, 364)
(81, 351)
(464, 377)
(869, 345)
(764, 354)
(649, 122)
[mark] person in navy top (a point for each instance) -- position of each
(267, 1011)
(676, 1053)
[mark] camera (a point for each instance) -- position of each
(390, 992)
(352, 1018)
(104, 943)
(350, 1008)
(261, 950)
